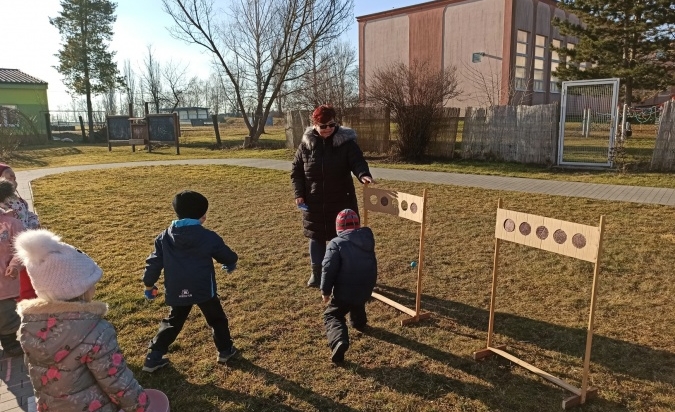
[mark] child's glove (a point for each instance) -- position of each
(151, 294)
(230, 268)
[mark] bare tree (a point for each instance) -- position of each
(329, 75)
(174, 79)
(260, 44)
(217, 95)
(130, 87)
(152, 79)
(416, 96)
(110, 102)
(486, 88)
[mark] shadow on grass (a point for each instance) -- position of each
(28, 159)
(534, 394)
(320, 402)
(192, 397)
(632, 359)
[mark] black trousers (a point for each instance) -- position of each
(336, 324)
(170, 327)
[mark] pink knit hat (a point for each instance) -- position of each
(347, 220)
(3, 167)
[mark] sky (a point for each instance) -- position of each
(30, 42)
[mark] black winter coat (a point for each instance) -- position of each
(321, 175)
(350, 267)
(186, 254)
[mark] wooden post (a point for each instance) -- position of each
(176, 124)
(364, 221)
(84, 135)
(146, 111)
(591, 316)
(48, 124)
(214, 119)
(131, 114)
(493, 295)
(420, 261)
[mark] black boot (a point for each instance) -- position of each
(315, 280)
(10, 345)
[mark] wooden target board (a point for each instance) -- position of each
(409, 207)
(558, 236)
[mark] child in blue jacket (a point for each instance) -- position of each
(349, 272)
(185, 251)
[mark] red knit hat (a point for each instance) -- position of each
(347, 220)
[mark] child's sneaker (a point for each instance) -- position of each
(154, 361)
(227, 354)
(338, 355)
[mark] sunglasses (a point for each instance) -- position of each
(325, 126)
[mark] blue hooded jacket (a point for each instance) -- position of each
(186, 254)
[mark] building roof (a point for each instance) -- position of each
(17, 76)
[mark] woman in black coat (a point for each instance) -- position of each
(322, 180)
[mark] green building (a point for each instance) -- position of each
(23, 105)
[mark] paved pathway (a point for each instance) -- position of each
(15, 389)
(621, 193)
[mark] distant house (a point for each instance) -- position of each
(23, 103)
(193, 115)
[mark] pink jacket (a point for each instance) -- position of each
(9, 228)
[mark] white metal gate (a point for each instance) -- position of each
(588, 122)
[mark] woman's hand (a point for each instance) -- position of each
(299, 201)
(367, 179)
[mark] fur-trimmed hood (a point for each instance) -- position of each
(44, 307)
(340, 137)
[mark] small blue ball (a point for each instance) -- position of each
(413, 264)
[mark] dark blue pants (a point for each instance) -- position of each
(335, 322)
(170, 327)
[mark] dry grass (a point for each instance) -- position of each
(276, 321)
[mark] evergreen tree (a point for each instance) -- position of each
(85, 60)
(628, 39)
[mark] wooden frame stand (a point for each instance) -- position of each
(409, 207)
(558, 236)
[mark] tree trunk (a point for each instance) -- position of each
(90, 109)
(628, 98)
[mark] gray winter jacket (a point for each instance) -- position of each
(74, 361)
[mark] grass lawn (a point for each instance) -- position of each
(276, 321)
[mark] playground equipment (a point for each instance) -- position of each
(558, 236)
(410, 207)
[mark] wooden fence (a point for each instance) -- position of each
(525, 134)
(373, 130)
(663, 158)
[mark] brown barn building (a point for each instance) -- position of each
(500, 48)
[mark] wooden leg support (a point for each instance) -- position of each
(485, 353)
(414, 319)
(575, 400)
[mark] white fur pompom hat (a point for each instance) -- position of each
(57, 270)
